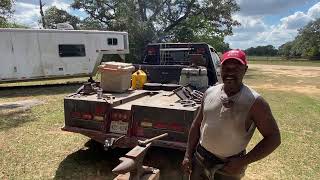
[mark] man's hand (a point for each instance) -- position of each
(187, 165)
(234, 166)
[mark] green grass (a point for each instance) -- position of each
(279, 61)
(32, 146)
(45, 82)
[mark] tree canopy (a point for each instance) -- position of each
(54, 16)
(163, 20)
(5, 12)
(268, 50)
(5, 7)
(306, 43)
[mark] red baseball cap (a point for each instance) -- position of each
(235, 54)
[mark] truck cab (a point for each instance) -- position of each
(170, 58)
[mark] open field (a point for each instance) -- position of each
(287, 63)
(278, 60)
(32, 146)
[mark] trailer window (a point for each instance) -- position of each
(72, 50)
(112, 41)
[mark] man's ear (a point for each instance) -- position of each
(246, 69)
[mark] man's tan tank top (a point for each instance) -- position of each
(223, 130)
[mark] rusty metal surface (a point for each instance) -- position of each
(118, 97)
(132, 162)
(161, 99)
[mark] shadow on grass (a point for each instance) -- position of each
(14, 118)
(95, 163)
(38, 91)
(167, 160)
(89, 163)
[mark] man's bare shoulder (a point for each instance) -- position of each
(213, 88)
(260, 105)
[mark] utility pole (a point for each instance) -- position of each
(44, 24)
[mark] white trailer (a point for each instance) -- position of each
(27, 54)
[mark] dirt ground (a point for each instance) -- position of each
(294, 71)
(23, 105)
(307, 78)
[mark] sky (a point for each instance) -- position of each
(263, 22)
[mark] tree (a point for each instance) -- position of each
(5, 8)
(285, 49)
(306, 43)
(5, 24)
(163, 20)
(91, 24)
(53, 16)
(5, 11)
(268, 50)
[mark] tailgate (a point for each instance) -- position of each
(86, 114)
(152, 121)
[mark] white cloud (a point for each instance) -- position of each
(295, 21)
(27, 14)
(250, 23)
(314, 11)
(254, 32)
(60, 4)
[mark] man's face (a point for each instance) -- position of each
(232, 72)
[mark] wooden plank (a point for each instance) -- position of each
(154, 176)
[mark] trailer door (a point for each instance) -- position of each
(26, 53)
(92, 49)
(7, 69)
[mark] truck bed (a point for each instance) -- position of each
(135, 114)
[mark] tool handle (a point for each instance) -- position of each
(152, 139)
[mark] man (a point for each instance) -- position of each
(225, 123)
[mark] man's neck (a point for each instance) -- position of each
(232, 91)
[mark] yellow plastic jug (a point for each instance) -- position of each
(138, 79)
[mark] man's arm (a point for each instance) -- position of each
(262, 116)
(193, 138)
(194, 133)
(267, 126)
